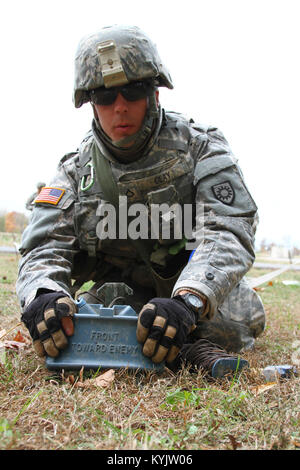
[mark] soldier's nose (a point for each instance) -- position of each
(120, 104)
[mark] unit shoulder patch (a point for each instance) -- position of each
(224, 192)
(49, 195)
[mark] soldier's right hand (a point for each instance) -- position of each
(49, 321)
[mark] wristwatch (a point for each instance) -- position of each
(194, 303)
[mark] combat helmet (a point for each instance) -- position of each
(115, 56)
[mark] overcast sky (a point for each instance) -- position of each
(234, 64)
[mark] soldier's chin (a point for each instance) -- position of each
(125, 142)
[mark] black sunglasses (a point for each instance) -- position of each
(132, 92)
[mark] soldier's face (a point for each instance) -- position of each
(122, 118)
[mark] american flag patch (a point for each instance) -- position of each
(50, 195)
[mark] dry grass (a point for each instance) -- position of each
(40, 409)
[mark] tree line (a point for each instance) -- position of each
(13, 222)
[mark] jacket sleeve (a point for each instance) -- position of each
(226, 217)
(49, 242)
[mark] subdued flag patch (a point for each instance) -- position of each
(49, 195)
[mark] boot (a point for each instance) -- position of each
(204, 354)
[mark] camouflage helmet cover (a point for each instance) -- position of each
(123, 52)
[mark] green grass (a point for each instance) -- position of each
(8, 239)
(40, 409)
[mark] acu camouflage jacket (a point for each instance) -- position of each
(187, 163)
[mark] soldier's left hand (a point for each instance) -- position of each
(163, 326)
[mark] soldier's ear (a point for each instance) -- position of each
(157, 97)
(95, 112)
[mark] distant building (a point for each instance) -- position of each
(279, 252)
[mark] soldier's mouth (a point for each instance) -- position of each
(123, 128)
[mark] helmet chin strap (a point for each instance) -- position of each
(130, 148)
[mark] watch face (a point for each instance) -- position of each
(194, 302)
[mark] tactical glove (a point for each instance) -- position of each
(163, 326)
(43, 320)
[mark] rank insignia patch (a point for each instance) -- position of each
(224, 192)
(49, 195)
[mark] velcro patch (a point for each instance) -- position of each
(50, 195)
(224, 192)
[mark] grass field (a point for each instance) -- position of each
(8, 239)
(40, 409)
